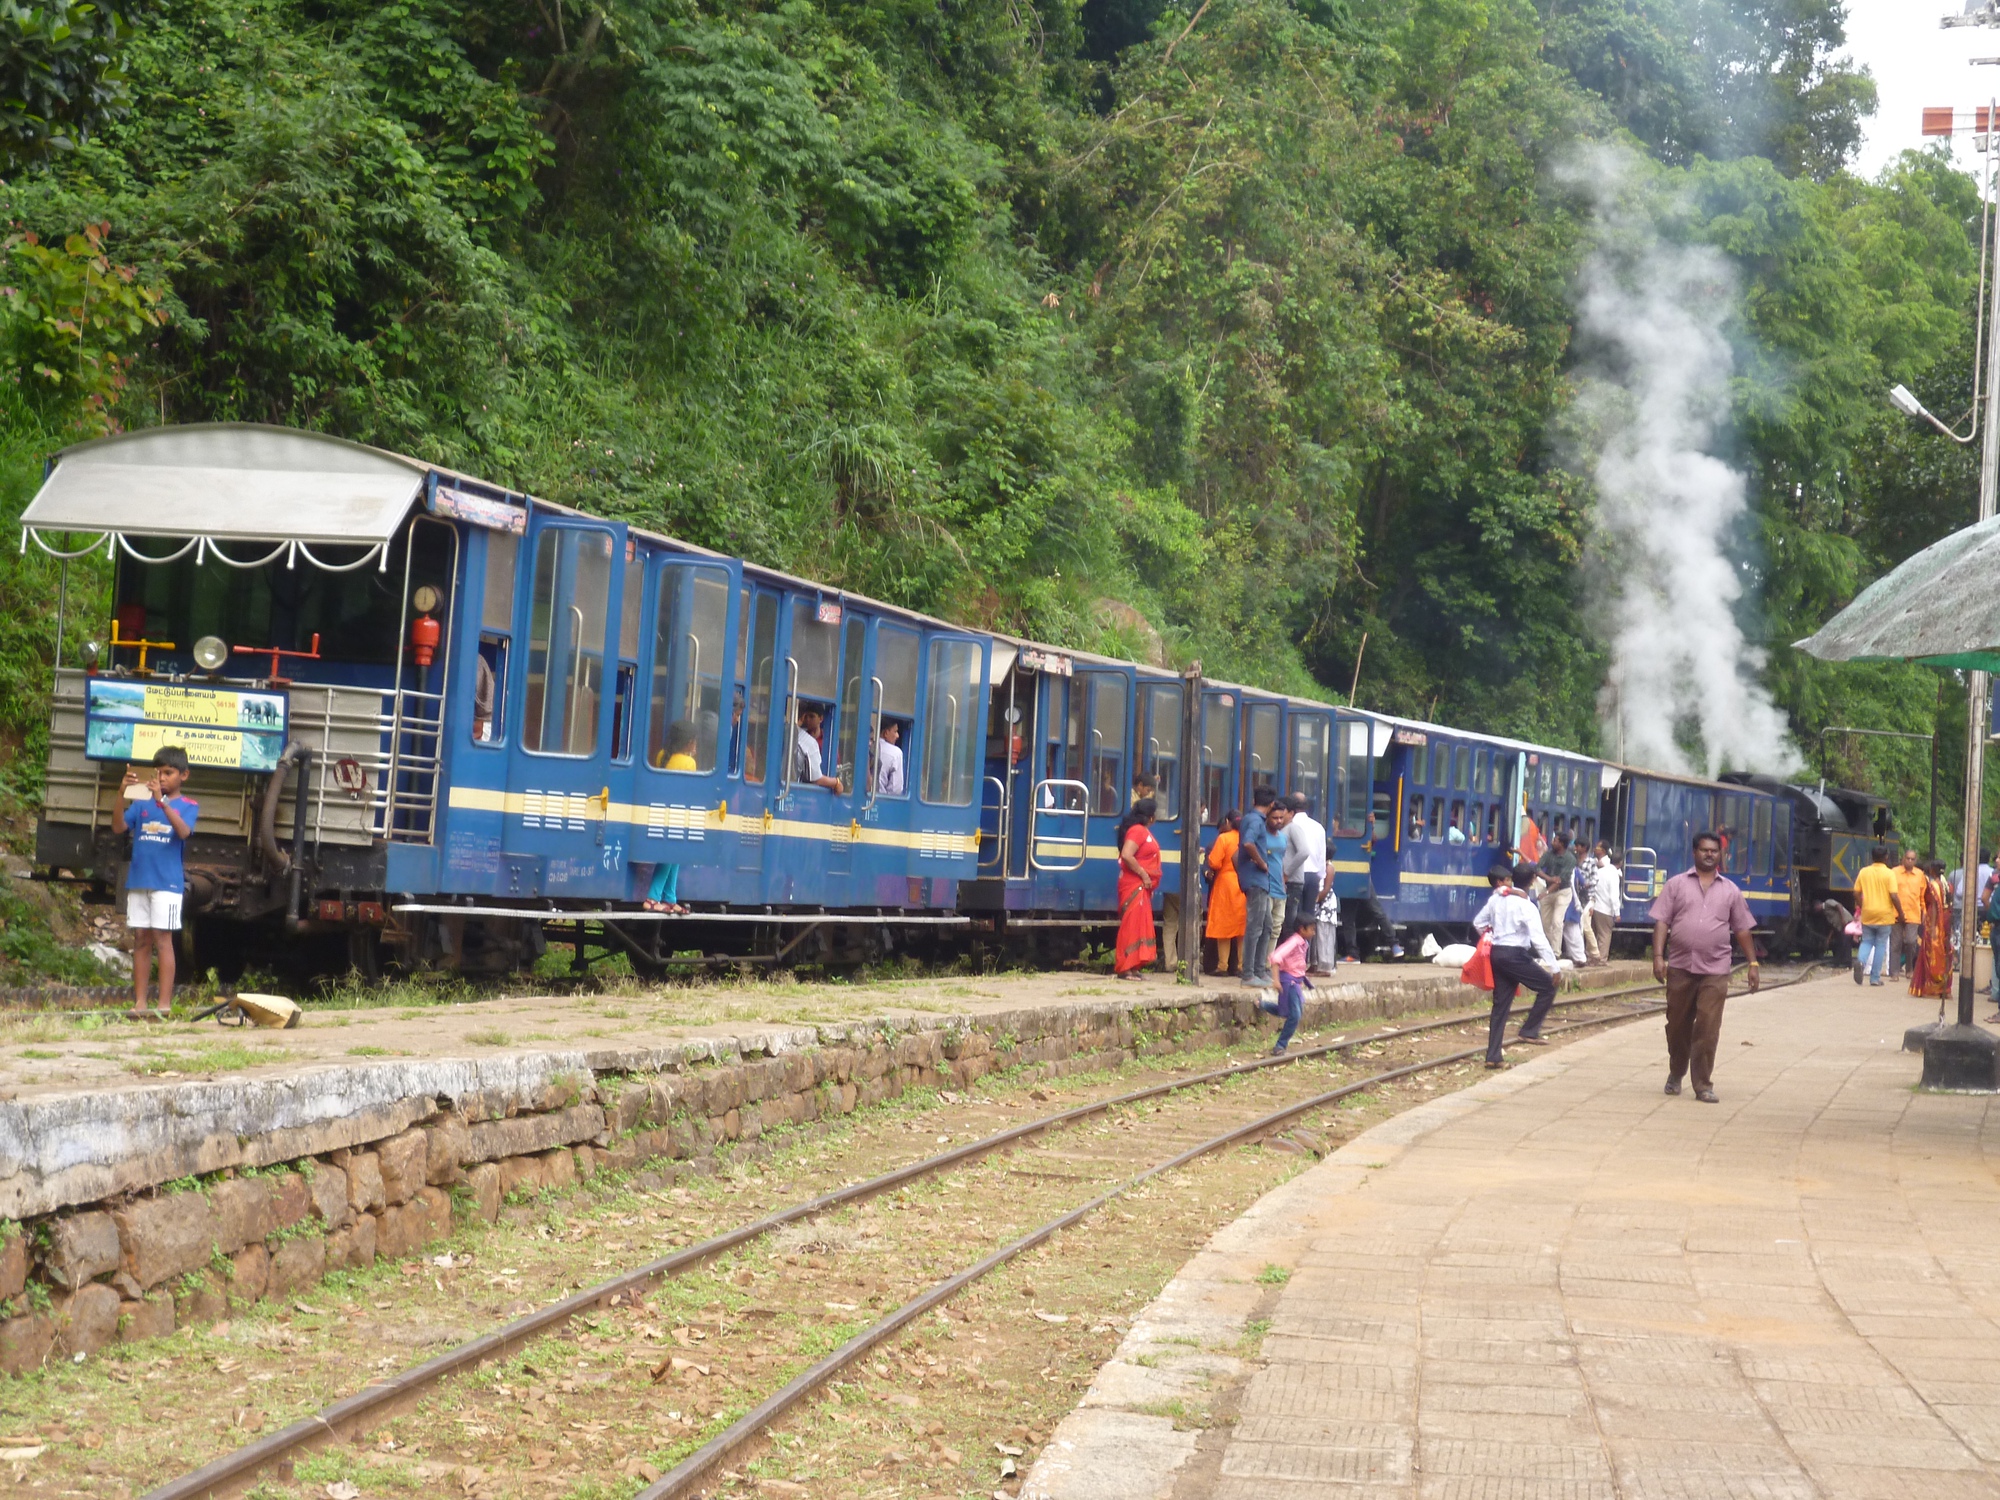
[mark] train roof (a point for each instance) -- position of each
(1426, 727)
(215, 479)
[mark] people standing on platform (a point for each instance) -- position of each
(1838, 919)
(1694, 918)
(1138, 877)
(1225, 898)
(1257, 850)
(160, 823)
(1607, 903)
(1556, 865)
(1290, 959)
(1277, 818)
(1875, 894)
(1326, 941)
(1521, 956)
(1908, 897)
(1985, 873)
(1305, 863)
(1930, 975)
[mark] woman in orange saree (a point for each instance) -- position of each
(1138, 876)
(1226, 913)
(1932, 974)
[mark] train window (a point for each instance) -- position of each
(1309, 763)
(1078, 689)
(1560, 796)
(1437, 818)
(1455, 831)
(853, 652)
(815, 646)
(1638, 812)
(1260, 750)
(496, 608)
(1590, 833)
(496, 634)
(1760, 837)
(952, 743)
(689, 647)
(1351, 775)
(1493, 823)
(631, 607)
(1218, 726)
(1479, 759)
(1441, 766)
(1163, 747)
(566, 641)
(1461, 776)
(1499, 776)
(1781, 844)
(1416, 820)
(763, 670)
(1384, 826)
(896, 653)
(1107, 744)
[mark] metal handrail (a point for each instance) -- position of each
(1036, 838)
(1001, 821)
(1650, 865)
(875, 749)
(791, 726)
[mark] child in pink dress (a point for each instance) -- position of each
(1290, 958)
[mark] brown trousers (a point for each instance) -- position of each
(1694, 1023)
(1600, 930)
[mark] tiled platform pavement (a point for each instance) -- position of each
(1563, 1285)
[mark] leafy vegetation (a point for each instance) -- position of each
(1238, 330)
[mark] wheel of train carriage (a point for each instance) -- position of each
(364, 953)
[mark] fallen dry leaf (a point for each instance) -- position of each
(22, 1455)
(1049, 1317)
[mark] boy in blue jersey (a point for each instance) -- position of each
(160, 824)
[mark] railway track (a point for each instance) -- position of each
(1215, 1109)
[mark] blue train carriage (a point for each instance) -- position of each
(1654, 817)
(1070, 734)
(483, 712)
(1449, 803)
(1835, 831)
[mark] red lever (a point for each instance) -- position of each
(274, 653)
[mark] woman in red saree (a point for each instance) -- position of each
(1138, 877)
(1931, 975)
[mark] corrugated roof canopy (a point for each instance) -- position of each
(1941, 607)
(228, 482)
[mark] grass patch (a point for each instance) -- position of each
(492, 1036)
(213, 1057)
(1273, 1276)
(367, 1051)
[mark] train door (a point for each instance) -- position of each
(1218, 758)
(1036, 683)
(1263, 759)
(1058, 822)
(689, 717)
(882, 873)
(1349, 811)
(756, 724)
(1158, 724)
(950, 752)
(1398, 765)
(816, 794)
(475, 814)
(1105, 752)
(564, 841)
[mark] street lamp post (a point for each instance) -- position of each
(1966, 1056)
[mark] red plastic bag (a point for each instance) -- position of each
(1478, 970)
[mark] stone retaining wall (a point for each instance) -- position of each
(221, 1194)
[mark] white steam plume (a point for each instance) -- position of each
(1655, 394)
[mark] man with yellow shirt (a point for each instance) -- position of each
(1875, 899)
(1911, 883)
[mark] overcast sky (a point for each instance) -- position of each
(1917, 63)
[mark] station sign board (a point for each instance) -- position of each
(127, 720)
(478, 510)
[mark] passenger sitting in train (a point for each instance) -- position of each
(1456, 833)
(889, 760)
(677, 754)
(807, 766)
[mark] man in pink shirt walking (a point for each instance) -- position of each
(1694, 919)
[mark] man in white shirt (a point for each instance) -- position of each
(807, 767)
(1521, 955)
(1607, 903)
(889, 760)
(1305, 865)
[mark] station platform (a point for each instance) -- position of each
(1561, 1284)
(89, 1113)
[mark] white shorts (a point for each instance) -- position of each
(157, 910)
